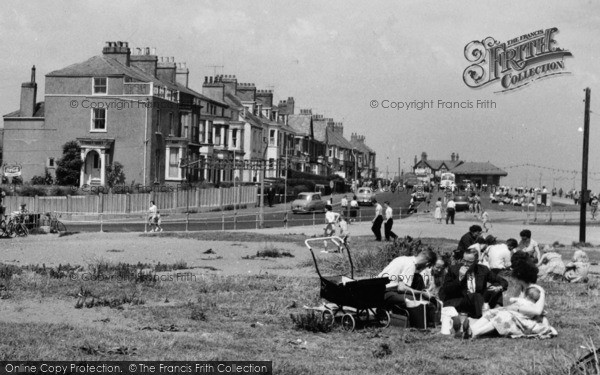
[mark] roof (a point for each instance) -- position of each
(361, 147)
(336, 139)
(476, 168)
(199, 95)
(281, 125)
(437, 164)
(38, 111)
(300, 123)
(320, 129)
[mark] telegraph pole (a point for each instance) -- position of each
(584, 167)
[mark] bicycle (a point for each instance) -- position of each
(14, 227)
(57, 226)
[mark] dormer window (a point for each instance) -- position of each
(99, 86)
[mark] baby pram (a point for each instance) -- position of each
(352, 301)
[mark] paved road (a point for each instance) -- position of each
(245, 219)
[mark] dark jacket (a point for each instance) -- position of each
(455, 288)
(464, 243)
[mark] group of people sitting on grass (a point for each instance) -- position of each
(474, 279)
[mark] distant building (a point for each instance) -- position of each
(482, 173)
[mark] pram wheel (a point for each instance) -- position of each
(328, 318)
(348, 322)
(383, 317)
(362, 315)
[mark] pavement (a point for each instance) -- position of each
(424, 225)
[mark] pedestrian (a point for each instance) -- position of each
(478, 203)
(353, 208)
(343, 223)
(152, 211)
(157, 222)
(331, 219)
(344, 204)
(438, 210)
(389, 222)
(450, 210)
(594, 206)
(560, 193)
(377, 221)
(485, 220)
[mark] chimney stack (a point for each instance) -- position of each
(452, 157)
(28, 96)
(182, 74)
(165, 69)
(118, 51)
(146, 60)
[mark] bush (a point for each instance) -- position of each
(115, 174)
(17, 180)
(310, 321)
(32, 191)
(46, 179)
(69, 166)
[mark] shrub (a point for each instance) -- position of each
(310, 321)
(17, 180)
(115, 174)
(32, 191)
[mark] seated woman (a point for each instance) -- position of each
(578, 268)
(551, 266)
(518, 319)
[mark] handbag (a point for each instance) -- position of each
(399, 317)
(421, 313)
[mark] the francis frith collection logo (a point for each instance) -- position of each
(515, 63)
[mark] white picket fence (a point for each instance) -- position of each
(193, 198)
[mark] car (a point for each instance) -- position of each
(420, 194)
(308, 202)
(462, 203)
(365, 195)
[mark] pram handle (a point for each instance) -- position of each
(338, 241)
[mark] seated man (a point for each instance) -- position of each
(404, 276)
(467, 240)
(466, 286)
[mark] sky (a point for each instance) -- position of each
(336, 57)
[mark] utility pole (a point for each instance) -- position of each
(262, 184)
(584, 167)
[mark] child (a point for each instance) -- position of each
(157, 222)
(485, 220)
(532, 295)
(343, 226)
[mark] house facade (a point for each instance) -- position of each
(136, 108)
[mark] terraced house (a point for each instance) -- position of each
(139, 110)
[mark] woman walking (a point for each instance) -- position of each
(438, 211)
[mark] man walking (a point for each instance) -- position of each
(344, 205)
(377, 221)
(450, 210)
(389, 222)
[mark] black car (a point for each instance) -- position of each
(462, 203)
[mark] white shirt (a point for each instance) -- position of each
(451, 204)
(344, 202)
(402, 269)
(378, 210)
(499, 256)
(153, 210)
(331, 217)
(388, 213)
(353, 203)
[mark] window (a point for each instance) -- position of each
(171, 123)
(234, 138)
(158, 129)
(202, 131)
(174, 163)
(330, 152)
(185, 122)
(210, 133)
(98, 119)
(218, 135)
(225, 137)
(99, 86)
(271, 137)
(51, 163)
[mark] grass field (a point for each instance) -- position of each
(210, 317)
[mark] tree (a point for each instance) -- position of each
(46, 179)
(115, 174)
(69, 166)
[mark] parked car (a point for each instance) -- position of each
(365, 195)
(308, 202)
(462, 203)
(420, 194)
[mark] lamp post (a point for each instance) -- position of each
(584, 167)
(261, 216)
